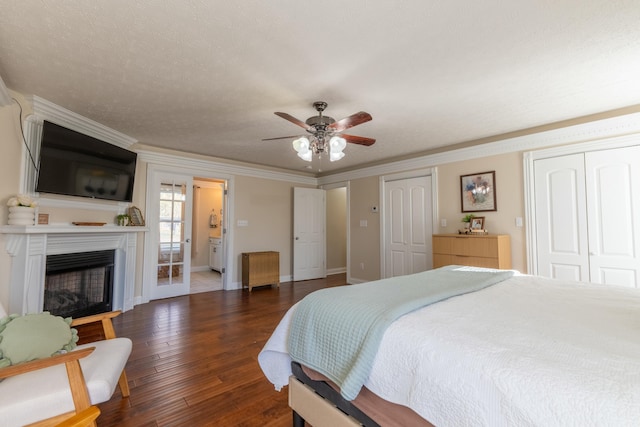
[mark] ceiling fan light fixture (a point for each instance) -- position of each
(301, 145)
(336, 145)
(325, 134)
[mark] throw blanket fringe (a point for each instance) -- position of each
(337, 331)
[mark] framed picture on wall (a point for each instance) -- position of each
(478, 192)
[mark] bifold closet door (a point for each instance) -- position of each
(588, 216)
(613, 212)
(561, 218)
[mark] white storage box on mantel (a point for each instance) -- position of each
(21, 215)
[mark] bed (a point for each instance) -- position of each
(523, 351)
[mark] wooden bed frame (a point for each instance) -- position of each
(319, 404)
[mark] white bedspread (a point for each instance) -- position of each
(528, 351)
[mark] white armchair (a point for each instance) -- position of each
(45, 392)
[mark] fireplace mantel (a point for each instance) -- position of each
(29, 246)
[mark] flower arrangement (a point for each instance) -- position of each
(22, 200)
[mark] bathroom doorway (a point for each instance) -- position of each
(208, 235)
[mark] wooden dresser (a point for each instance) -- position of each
(487, 250)
(260, 268)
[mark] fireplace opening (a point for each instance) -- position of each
(79, 284)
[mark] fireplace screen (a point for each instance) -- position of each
(79, 284)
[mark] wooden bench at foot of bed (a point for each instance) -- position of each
(316, 400)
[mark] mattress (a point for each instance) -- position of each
(527, 351)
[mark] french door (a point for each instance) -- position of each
(169, 220)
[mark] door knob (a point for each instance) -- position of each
(297, 238)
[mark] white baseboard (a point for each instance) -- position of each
(338, 270)
(200, 268)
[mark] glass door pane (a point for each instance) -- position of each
(171, 241)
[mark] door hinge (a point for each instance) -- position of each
(226, 192)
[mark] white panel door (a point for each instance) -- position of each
(408, 226)
(561, 218)
(309, 239)
(613, 203)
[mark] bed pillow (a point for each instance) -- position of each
(34, 336)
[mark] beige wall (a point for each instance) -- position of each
(267, 205)
(509, 197)
(11, 144)
(337, 229)
(365, 241)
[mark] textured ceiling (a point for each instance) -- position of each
(206, 76)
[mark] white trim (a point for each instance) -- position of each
(46, 110)
(339, 270)
(529, 159)
(5, 97)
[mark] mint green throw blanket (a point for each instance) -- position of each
(337, 331)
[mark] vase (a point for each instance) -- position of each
(21, 215)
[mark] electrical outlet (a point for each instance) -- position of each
(362, 266)
(518, 221)
(443, 223)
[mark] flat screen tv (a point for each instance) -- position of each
(75, 164)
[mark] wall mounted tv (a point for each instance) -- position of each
(74, 164)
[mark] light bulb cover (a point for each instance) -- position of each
(337, 143)
(301, 145)
(335, 155)
(306, 156)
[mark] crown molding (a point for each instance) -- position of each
(222, 169)
(46, 110)
(591, 131)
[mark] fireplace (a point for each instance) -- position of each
(33, 247)
(79, 284)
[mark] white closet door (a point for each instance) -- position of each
(561, 218)
(613, 203)
(408, 226)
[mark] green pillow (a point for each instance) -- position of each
(34, 336)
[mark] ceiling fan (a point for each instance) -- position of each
(326, 133)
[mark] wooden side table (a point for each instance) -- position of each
(260, 268)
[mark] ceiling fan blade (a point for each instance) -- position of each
(293, 120)
(349, 122)
(358, 139)
(281, 137)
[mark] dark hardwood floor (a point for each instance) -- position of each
(194, 359)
